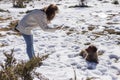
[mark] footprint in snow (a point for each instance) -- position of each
(91, 65)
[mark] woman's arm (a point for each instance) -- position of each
(45, 27)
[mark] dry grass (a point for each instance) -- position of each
(1, 10)
(1, 35)
(9, 28)
(112, 23)
(112, 31)
(87, 43)
(13, 23)
(5, 29)
(3, 45)
(84, 31)
(11, 70)
(4, 19)
(99, 33)
(90, 28)
(116, 2)
(79, 6)
(92, 78)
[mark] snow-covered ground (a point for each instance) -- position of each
(64, 62)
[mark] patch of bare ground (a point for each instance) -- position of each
(4, 19)
(109, 31)
(112, 23)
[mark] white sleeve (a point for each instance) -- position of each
(48, 29)
(44, 25)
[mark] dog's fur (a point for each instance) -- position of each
(90, 54)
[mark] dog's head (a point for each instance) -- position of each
(91, 49)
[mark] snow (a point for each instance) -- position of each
(64, 49)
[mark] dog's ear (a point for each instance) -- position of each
(84, 54)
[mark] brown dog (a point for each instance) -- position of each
(90, 54)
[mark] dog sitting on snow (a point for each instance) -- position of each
(90, 54)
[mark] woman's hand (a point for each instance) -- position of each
(58, 28)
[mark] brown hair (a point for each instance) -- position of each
(51, 11)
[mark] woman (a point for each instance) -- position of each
(32, 20)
